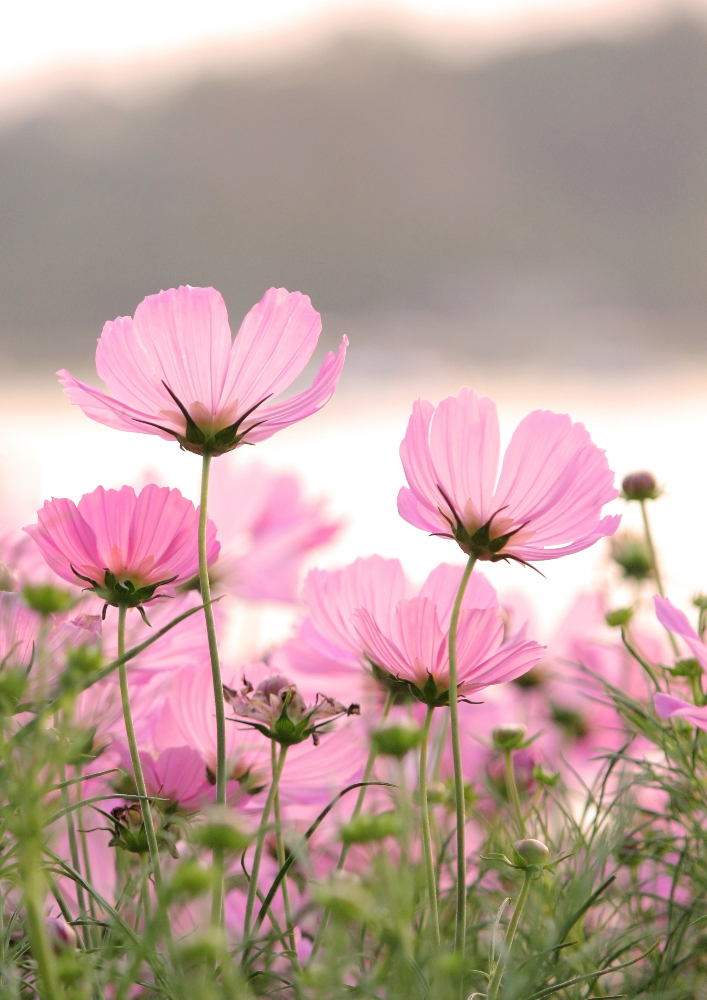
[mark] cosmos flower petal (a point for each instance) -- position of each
(668, 707)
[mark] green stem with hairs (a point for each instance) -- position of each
(289, 927)
(372, 754)
(259, 843)
(457, 756)
(426, 837)
(135, 756)
(495, 984)
(513, 792)
(656, 568)
(205, 588)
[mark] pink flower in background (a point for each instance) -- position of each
(545, 503)
(378, 585)
(676, 621)
(125, 546)
(177, 774)
(267, 528)
(18, 631)
(410, 641)
(669, 707)
(174, 371)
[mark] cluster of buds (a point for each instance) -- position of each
(277, 710)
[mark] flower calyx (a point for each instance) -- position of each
(199, 441)
(277, 710)
(123, 593)
(530, 856)
(482, 543)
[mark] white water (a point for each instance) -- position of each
(349, 452)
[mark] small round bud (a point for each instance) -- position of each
(508, 737)
(631, 553)
(532, 852)
(190, 880)
(640, 486)
(396, 740)
(62, 935)
(367, 827)
(621, 616)
(533, 678)
(221, 830)
(48, 600)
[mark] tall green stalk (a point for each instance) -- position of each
(512, 788)
(368, 771)
(656, 568)
(289, 926)
(426, 837)
(259, 843)
(495, 983)
(457, 756)
(205, 587)
(135, 756)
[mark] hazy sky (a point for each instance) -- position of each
(46, 35)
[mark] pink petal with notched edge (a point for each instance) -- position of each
(65, 540)
(441, 588)
(668, 707)
(466, 425)
(276, 340)
(111, 412)
(280, 415)
(417, 514)
(373, 583)
(417, 459)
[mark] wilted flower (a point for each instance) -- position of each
(548, 498)
(173, 370)
(280, 710)
(125, 546)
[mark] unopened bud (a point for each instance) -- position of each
(48, 600)
(190, 880)
(221, 830)
(619, 617)
(532, 852)
(62, 935)
(632, 555)
(508, 737)
(640, 486)
(396, 740)
(366, 828)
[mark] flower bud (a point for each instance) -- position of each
(532, 852)
(48, 600)
(396, 740)
(508, 737)
(62, 935)
(366, 827)
(190, 880)
(533, 678)
(632, 555)
(222, 830)
(619, 617)
(640, 486)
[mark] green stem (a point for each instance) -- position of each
(457, 755)
(259, 843)
(426, 838)
(656, 568)
(513, 792)
(205, 587)
(135, 756)
(508, 943)
(74, 852)
(372, 754)
(39, 943)
(290, 931)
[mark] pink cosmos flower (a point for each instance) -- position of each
(125, 546)
(676, 621)
(267, 534)
(173, 370)
(549, 494)
(18, 631)
(410, 642)
(667, 707)
(177, 774)
(379, 585)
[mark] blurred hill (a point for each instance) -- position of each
(550, 204)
